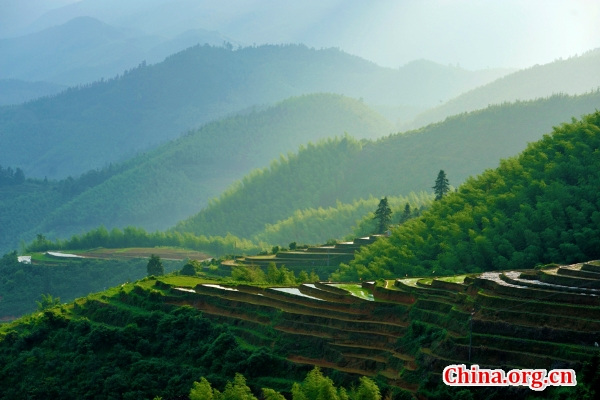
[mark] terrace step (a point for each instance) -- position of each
(552, 276)
(578, 273)
(493, 300)
(593, 266)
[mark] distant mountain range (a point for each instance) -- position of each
(93, 125)
(85, 50)
(576, 75)
(14, 91)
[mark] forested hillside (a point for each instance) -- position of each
(157, 189)
(575, 75)
(540, 207)
(343, 220)
(345, 170)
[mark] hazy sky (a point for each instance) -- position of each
(472, 33)
(480, 33)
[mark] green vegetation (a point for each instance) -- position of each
(159, 188)
(181, 335)
(383, 215)
(463, 146)
(343, 220)
(137, 237)
(25, 288)
(155, 266)
(442, 186)
(537, 208)
(314, 387)
(171, 178)
(139, 342)
(121, 347)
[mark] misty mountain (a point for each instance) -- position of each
(110, 120)
(85, 49)
(575, 75)
(157, 189)
(13, 91)
(345, 170)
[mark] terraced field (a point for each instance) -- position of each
(514, 319)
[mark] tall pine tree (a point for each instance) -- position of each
(383, 215)
(441, 186)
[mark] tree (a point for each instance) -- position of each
(441, 186)
(367, 390)
(270, 394)
(238, 390)
(19, 177)
(47, 302)
(383, 215)
(190, 268)
(155, 266)
(406, 214)
(201, 390)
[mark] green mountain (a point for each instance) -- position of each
(575, 75)
(159, 188)
(111, 120)
(345, 170)
(540, 207)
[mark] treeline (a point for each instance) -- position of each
(8, 176)
(138, 237)
(315, 386)
(540, 207)
(281, 276)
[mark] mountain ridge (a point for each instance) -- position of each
(108, 121)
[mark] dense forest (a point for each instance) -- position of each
(346, 170)
(131, 342)
(540, 207)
